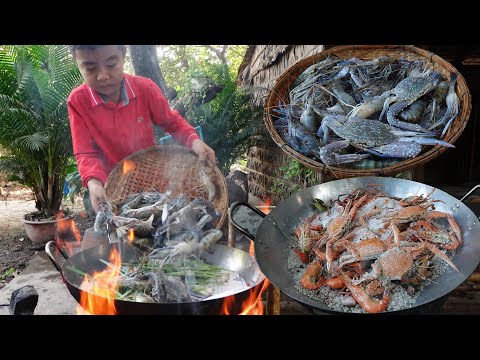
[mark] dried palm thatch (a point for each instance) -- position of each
(261, 66)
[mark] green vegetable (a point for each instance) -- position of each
(319, 204)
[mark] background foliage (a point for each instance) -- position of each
(35, 81)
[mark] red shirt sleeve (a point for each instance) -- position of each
(85, 150)
(171, 121)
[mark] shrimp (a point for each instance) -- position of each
(366, 302)
(312, 278)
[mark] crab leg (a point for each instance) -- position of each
(330, 158)
(437, 252)
(451, 221)
(452, 102)
(394, 110)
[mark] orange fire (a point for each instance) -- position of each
(65, 232)
(100, 289)
(130, 236)
(252, 305)
(267, 201)
(128, 165)
(266, 207)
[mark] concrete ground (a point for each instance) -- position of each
(54, 297)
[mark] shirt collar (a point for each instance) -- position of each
(126, 93)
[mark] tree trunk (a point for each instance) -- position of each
(145, 63)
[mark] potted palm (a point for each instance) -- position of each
(35, 81)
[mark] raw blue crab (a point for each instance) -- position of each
(373, 137)
(405, 93)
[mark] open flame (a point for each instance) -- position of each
(266, 207)
(128, 165)
(100, 289)
(67, 234)
(252, 305)
(131, 236)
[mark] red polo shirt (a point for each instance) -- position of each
(103, 133)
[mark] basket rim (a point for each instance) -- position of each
(289, 75)
(178, 150)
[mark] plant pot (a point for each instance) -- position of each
(42, 231)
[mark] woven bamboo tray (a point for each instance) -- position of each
(167, 167)
(281, 89)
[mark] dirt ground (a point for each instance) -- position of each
(16, 249)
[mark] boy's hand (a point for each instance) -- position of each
(97, 192)
(203, 150)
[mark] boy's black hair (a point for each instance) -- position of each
(73, 48)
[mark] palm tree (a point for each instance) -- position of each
(229, 121)
(35, 81)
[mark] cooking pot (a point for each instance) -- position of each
(229, 258)
(273, 237)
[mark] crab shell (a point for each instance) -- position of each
(365, 132)
(393, 264)
(366, 248)
(413, 87)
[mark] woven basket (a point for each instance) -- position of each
(281, 89)
(166, 167)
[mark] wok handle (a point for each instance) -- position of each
(48, 250)
(470, 193)
(239, 227)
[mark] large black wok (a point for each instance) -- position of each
(229, 258)
(273, 236)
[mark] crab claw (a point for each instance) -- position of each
(428, 141)
(396, 149)
(330, 158)
(329, 122)
(405, 133)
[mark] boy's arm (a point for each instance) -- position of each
(84, 148)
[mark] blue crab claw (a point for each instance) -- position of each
(403, 148)
(405, 133)
(427, 141)
(330, 158)
(330, 121)
(395, 150)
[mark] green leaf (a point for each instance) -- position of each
(35, 81)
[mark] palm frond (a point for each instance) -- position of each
(228, 121)
(35, 81)
(32, 142)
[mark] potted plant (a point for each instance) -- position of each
(35, 81)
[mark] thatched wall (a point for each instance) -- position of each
(262, 65)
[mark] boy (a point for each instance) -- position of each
(111, 116)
